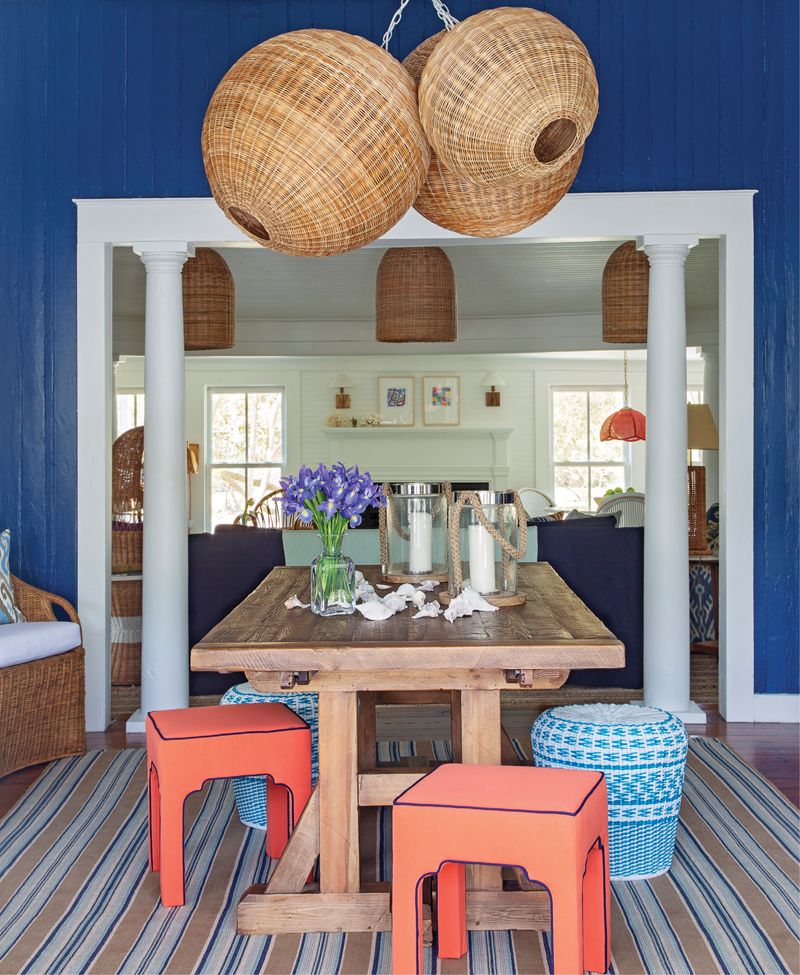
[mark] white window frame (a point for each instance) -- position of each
(210, 465)
(127, 391)
(626, 450)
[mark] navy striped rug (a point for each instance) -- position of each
(76, 895)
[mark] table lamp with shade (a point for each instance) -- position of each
(701, 435)
(340, 383)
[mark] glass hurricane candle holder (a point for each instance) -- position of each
(413, 532)
(488, 537)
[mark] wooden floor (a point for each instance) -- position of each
(773, 749)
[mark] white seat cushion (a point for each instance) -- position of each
(22, 642)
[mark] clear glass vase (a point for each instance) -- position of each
(333, 583)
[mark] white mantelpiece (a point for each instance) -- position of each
(424, 453)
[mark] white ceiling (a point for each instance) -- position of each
(532, 296)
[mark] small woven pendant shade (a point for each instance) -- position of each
(507, 96)
(415, 296)
(209, 314)
(626, 283)
(312, 143)
(478, 210)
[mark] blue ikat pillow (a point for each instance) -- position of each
(8, 608)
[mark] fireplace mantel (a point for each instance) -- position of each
(425, 453)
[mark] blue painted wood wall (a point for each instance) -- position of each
(105, 98)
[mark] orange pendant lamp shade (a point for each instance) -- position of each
(626, 424)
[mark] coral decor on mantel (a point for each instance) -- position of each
(316, 142)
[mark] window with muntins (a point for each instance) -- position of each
(246, 445)
(584, 466)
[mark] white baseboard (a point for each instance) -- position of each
(135, 723)
(776, 707)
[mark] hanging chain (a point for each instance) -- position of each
(625, 367)
(442, 13)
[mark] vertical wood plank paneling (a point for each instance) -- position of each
(104, 98)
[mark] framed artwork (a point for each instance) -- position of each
(441, 397)
(396, 400)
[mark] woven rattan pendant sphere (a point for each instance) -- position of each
(312, 143)
(415, 296)
(626, 283)
(209, 313)
(507, 96)
(478, 210)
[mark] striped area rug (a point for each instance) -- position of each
(76, 895)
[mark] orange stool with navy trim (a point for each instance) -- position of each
(188, 747)
(553, 823)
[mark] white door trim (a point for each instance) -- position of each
(726, 214)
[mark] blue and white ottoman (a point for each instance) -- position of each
(250, 791)
(642, 751)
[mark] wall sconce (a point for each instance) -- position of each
(492, 380)
(341, 383)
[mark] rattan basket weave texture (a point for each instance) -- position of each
(508, 95)
(312, 143)
(626, 283)
(127, 501)
(126, 631)
(41, 702)
(475, 209)
(209, 311)
(415, 296)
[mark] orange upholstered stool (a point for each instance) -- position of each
(553, 823)
(189, 746)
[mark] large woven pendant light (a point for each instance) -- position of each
(209, 312)
(312, 143)
(507, 96)
(415, 296)
(478, 210)
(626, 424)
(626, 284)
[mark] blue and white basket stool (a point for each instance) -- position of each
(250, 791)
(642, 751)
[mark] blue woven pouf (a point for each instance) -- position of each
(250, 791)
(642, 752)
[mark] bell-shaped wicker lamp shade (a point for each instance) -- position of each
(626, 424)
(209, 312)
(626, 282)
(507, 96)
(415, 296)
(478, 210)
(312, 143)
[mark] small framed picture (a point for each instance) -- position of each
(441, 401)
(396, 401)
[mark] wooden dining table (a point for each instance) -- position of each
(349, 661)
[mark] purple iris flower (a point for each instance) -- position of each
(306, 515)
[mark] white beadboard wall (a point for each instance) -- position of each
(309, 401)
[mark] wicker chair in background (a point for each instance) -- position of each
(535, 502)
(268, 513)
(42, 701)
(127, 501)
(629, 506)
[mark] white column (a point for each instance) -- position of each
(165, 587)
(710, 357)
(666, 542)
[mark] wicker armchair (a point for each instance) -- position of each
(41, 702)
(629, 506)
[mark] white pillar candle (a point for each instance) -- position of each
(420, 530)
(481, 559)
